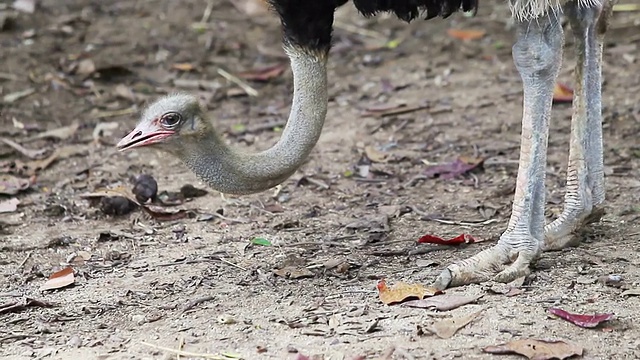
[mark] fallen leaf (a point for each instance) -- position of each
(59, 279)
(586, 321)
(27, 6)
(631, 292)
(264, 74)
(443, 302)
(375, 155)
(537, 349)
(15, 96)
(460, 166)
(30, 153)
(562, 93)
(22, 304)
(294, 272)
(466, 35)
(261, 241)
(86, 67)
(251, 7)
(446, 328)
(124, 92)
(403, 291)
(460, 239)
(183, 66)
(11, 185)
(626, 7)
(104, 129)
(62, 133)
(10, 205)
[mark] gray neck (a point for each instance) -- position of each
(233, 172)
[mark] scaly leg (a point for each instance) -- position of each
(537, 55)
(585, 174)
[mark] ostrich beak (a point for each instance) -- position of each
(143, 135)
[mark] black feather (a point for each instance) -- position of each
(308, 24)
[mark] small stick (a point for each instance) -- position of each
(186, 353)
(234, 79)
(195, 302)
(25, 259)
(232, 264)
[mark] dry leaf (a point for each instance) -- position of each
(466, 35)
(586, 321)
(59, 279)
(294, 272)
(445, 329)
(251, 7)
(537, 349)
(631, 292)
(15, 96)
(442, 302)
(124, 92)
(10, 205)
(62, 133)
(403, 291)
(562, 93)
(11, 185)
(264, 74)
(27, 6)
(86, 67)
(375, 155)
(31, 154)
(183, 66)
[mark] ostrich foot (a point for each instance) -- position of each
(501, 263)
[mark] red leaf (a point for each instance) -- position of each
(460, 166)
(460, 239)
(586, 321)
(466, 35)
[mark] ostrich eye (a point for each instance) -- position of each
(170, 120)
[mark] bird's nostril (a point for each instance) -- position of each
(136, 134)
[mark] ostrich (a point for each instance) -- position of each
(176, 124)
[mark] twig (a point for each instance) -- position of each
(24, 261)
(243, 85)
(359, 30)
(186, 353)
(426, 216)
(195, 302)
(207, 12)
(232, 264)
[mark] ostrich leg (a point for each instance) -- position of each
(537, 55)
(585, 176)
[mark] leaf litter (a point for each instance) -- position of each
(460, 239)
(402, 291)
(585, 321)
(535, 349)
(59, 279)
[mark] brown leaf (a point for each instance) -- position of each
(183, 67)
(11, 185)
(375, 155)
(264, 74)
(444, 302)
(10, 205)
(293, 272)
(537, 349)
(466, 35)
(403, 291)
(59, 279)
(562, 93)
(445, 329)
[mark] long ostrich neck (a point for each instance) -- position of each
(231, 171)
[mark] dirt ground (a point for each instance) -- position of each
(199, 284)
